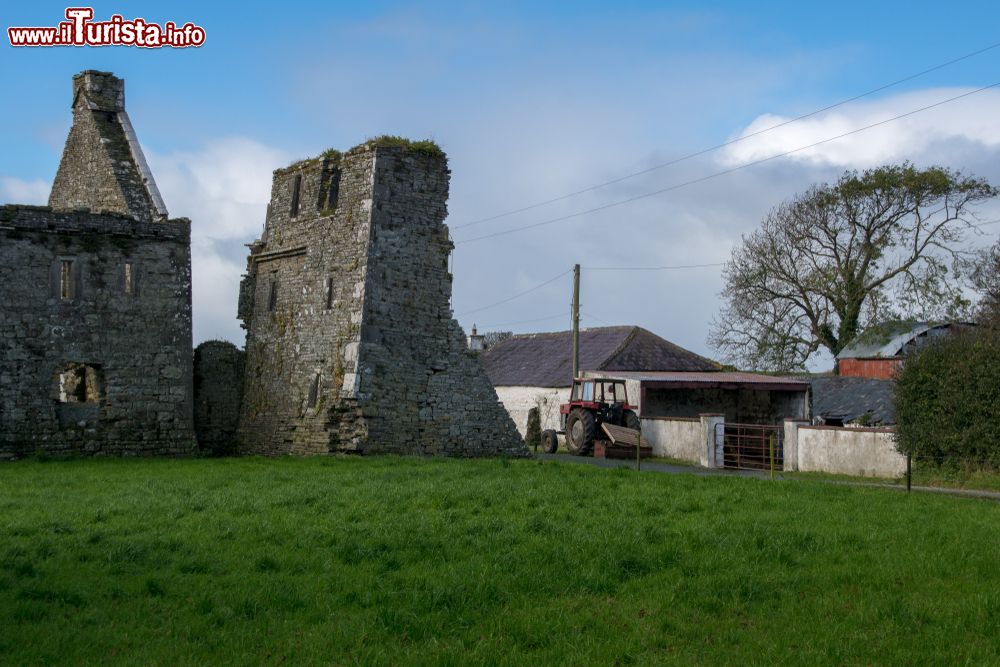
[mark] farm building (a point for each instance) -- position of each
(878, 352)
(534, 371)
(745, 398)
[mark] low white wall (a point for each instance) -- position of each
(677, 438)
(519, 400)
(868, 452)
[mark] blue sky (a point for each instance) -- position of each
(530, 101)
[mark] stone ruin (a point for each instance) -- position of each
(351, 346)
(95, 311)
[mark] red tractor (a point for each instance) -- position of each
(594, 401)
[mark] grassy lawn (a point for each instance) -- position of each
(392, 561)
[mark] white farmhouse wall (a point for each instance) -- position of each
(849, 451)
(677, 438)
(519, 400)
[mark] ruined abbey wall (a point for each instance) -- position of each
(95, 308)
(95, 334)
(218, 392)
(351, 345)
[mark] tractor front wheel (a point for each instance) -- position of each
(550, 441)
(581, 428)
(631, 420)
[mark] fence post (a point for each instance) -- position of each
(770, 444)
(909, 471)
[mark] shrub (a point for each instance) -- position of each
(948, 400)
(533, 433)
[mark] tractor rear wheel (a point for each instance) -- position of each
(581, 428)
(631, 420)
(550, 441)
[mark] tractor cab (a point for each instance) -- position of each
(596, 391)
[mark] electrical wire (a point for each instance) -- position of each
(651, 268)
(702, 179)
(716, 147)
(516, 296)
(537, 319)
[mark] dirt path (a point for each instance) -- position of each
(652, 466)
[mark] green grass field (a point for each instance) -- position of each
(388, 561)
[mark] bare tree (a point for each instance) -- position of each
(878, 245)
(985, 276)
(491, 338)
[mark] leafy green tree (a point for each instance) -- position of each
(878, 245)
(948, 400)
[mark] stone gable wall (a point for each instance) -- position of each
(139, 344)
(98, 170)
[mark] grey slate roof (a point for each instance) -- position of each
(545, 359)
(848, 398)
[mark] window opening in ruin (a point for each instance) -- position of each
(66, 290)
(80, 383)
(129, 278)
(329, 293)
(272, 297)
(334, 190)
(313, 392)
(296, 190)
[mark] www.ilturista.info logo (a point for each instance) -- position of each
(81, 30)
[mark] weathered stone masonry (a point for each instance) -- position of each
(351, 345)
(218, 392)
(95, 300)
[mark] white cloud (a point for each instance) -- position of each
(19, 191)
(224, 188)
(921, 135)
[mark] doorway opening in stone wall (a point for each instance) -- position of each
(79, 383)
(79, 390)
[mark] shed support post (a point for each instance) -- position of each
(712, 454)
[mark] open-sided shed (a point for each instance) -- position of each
(747, 398)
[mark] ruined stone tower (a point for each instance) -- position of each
(95, 313)
(351, 345)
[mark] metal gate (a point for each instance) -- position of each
(751, 446)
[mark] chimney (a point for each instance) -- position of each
(476, 341)
(102, 91)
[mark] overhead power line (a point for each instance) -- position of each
(597, 319)
(536, 319)
(516, 296)
(651, 268)
(724, 144)
(611, 268)
(702, 179)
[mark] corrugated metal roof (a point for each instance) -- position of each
(887, 341)
(716, 378)
(545, 359)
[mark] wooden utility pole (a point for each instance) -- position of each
(576, 320)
